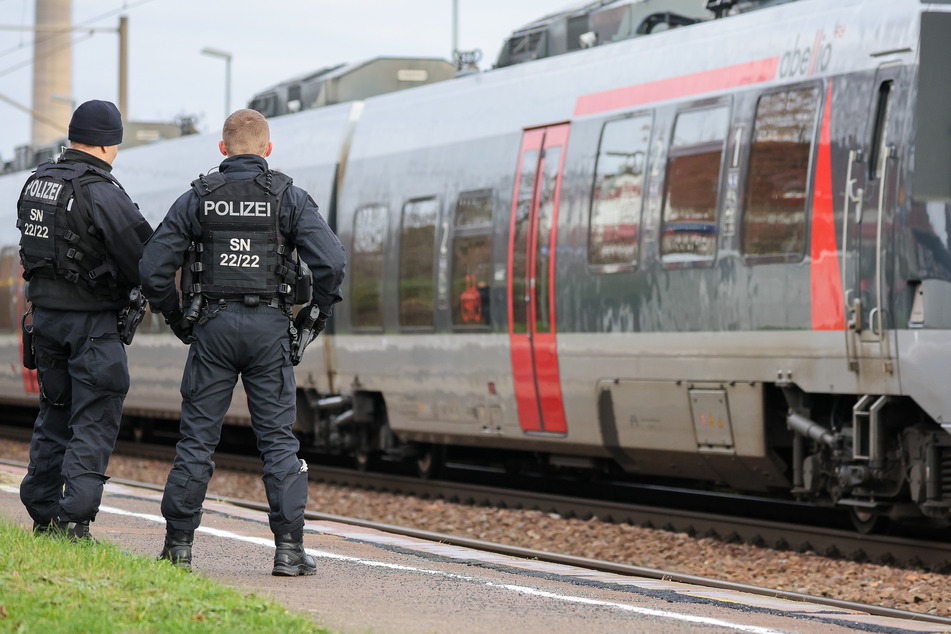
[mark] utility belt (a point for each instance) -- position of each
(128, 319)
(201, 309)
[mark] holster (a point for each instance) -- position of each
(129, 318)
(29, 352)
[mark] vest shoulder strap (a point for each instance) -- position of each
(207, 183)
(273, 182)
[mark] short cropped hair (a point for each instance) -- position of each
(245, 132)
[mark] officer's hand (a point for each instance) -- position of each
(311, 318)
(180, 326)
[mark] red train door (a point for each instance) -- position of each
(531, 280)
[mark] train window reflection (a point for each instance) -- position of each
(692, 192)
(9, 283)
(472, 259)
(366, 268)
(783, 133)
(523, 210)
(618, 192)
(417, 257)
(543, 230)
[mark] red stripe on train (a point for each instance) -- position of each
(675, 87)
(828, 312)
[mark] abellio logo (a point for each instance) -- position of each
(805, 61)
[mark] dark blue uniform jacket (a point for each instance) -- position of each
(124, 233)
(300, 223)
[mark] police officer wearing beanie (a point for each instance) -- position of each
(240, 226)
(81, 241)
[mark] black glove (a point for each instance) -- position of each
(182, 328)
(309, 322)
(311, 318)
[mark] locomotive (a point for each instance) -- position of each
(716, 253)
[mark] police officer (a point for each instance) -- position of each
(81, 240)
(240, 226)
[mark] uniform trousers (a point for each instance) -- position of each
(251, 342)
(83, 374)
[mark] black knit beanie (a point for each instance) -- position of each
(96, 123)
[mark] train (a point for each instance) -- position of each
(716, 254)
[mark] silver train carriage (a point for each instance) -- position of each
(718, 253)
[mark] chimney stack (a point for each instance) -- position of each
(52, 70)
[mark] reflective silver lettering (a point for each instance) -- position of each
(250, 208)
(44, 189)
(244, 208)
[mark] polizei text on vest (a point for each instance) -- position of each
(245, 208)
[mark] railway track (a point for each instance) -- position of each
(473, 494)
(808, 534)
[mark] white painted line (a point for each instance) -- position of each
(269, 543)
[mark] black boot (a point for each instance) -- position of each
(44, 528)
(290, 559)
(74, 531)
(178, 548)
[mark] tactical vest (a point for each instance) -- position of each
(242, 253)
(57, 237)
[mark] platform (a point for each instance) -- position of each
(369, 580)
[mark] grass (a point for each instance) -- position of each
(49, 584)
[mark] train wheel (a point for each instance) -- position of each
(364, 460)
(429, 462)
(868, 523)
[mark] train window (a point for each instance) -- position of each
(781, 146)
(880, 138)
(523, 212)
(472, 258)
(692, 191)
(9, 283)
(616, 202)
(266, 104)
(417, 257)
(294, 102)
(542, 238)
(366, 266)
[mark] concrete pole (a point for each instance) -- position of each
(52, 71)
(124, 67)
(455, 34)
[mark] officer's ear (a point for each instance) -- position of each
(268, 148)
(221, 146)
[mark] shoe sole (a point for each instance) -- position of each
(293, 571)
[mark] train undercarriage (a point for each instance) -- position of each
(879, 457)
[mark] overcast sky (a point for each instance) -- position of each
(269, 42)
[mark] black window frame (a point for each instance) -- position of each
(607, 269)
(433, 263)
(753, 259)
(471, 231)
(674, 152)
(353, 269)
